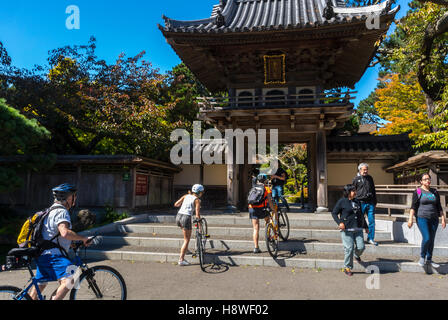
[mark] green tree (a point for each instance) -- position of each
(294, 157)
(20, 137)
(419, 45)
(91, 107)
(182, 89)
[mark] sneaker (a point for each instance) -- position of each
(257, 250)
(358, 259)
(433, 264)
(421, 262)
(348, 272)
(184, 263)
(373, 242)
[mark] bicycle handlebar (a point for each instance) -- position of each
(79, 244)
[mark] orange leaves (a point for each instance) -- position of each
(401, 102)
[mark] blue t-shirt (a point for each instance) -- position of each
(50, 230)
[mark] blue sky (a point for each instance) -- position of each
(29, 29)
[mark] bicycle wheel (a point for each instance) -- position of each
(100, 283)
(283, 224)
(271, 241)
(200, 250)
(10, 293)
(203, 229)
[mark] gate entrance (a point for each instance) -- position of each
(286, 65)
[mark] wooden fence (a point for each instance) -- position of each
(399, 197)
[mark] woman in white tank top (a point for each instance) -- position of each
(188, 204)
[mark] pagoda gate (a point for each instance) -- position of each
(280, 62)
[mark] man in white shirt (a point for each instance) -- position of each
(53, 264)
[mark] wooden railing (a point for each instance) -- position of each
(276, 101)
(398, 193)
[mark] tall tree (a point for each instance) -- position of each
(420, 45)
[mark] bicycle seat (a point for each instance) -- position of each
(23, 252)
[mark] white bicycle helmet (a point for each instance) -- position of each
(197, 188)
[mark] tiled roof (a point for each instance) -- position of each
(425, 159)
(369, 143)
(262, 15)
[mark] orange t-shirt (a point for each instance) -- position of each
(267, 192)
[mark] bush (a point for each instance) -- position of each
(113, 216)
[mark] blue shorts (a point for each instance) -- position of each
(53, 268)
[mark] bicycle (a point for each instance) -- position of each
(201, 240)
(273, 233)
(98, 282)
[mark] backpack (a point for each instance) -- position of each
(31, 233)
(256, 195)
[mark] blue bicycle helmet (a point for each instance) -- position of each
(63, 191)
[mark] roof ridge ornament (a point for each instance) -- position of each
(328, 11)
(220, 19)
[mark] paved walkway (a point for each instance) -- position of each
(166, 281)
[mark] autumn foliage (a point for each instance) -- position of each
(401, 103)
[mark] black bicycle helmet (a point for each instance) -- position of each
(262, 178)
(63, 191)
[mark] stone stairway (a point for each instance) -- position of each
(314, 242)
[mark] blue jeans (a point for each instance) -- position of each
(353, 242)
(277, 193)
(428, 228)
(369, 209)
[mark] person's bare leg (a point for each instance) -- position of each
(63, 289)
(256, 233)
(33, 291)
(183, 250)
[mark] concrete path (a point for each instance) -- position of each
(167, 281)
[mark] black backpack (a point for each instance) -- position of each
(256, 195)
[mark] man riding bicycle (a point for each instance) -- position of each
(53, 264)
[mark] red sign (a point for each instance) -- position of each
(141, 185)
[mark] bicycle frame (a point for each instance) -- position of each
(34, 283)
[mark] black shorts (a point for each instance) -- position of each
(258, 213)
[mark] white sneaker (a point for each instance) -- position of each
(433, 264)
(184, 263)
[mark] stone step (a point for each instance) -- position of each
(292, 245)
(317, 261)
(295, 220)
(216, 231)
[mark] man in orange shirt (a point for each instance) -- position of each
(257, 212)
